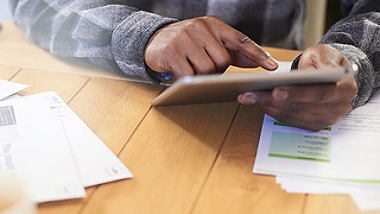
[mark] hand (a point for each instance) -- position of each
(310, 107)
(201, 46)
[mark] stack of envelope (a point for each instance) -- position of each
(341, 159)
(45, 142)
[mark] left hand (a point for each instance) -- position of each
(311, 107)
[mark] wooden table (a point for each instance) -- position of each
(186, 159)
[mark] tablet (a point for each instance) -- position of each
(226, 88)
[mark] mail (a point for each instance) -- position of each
(45, 142)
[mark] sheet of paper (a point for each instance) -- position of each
(324, 186)
(347, 150)
(33, 144)
(367, 200)
(12, 97)
(341, 159)
(10, 88)
(96, 162)
(365, 196)
(284, 66)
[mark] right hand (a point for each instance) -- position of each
(201, 46)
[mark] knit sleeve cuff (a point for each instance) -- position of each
(365, 78)
(130, 39)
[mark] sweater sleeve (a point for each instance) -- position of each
(358, 37)
(108, 33)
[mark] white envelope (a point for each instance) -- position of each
(96, 162)
(9, 88)
(33, 144)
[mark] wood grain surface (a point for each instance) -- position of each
(185, 159)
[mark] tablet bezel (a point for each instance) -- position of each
(226, 88)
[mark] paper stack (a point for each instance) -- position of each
(342, 159)
(45, 142)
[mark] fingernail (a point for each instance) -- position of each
(272, 62)
(248, 99)
(280, 94)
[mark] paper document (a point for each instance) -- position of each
(33, 144)
(283, 67)
(366, 196)
(96, 162)
(340, 159)
(10, 88)
(319, 186)
(347, 150)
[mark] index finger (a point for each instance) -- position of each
(237, 41)
(317, 93)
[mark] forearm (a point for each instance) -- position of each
(105, 32)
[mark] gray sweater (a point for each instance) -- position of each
(114, 33)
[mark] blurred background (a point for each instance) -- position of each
(5, 15)
(321, 15)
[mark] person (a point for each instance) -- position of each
(156, 39)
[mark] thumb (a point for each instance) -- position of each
(322, 56)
